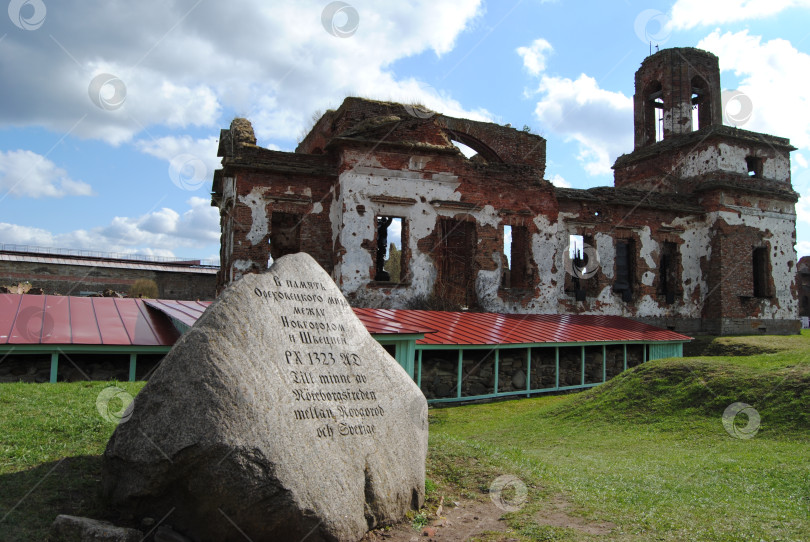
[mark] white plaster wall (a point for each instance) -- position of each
(548, 247)
(731, 158)
(777, 168)
(646, 250)
(361, 184)
(695, 247)
(781, 241)
(699, 162)
(258, 212)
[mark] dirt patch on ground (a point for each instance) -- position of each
(458, 521)
(468, 520)
(556, 514)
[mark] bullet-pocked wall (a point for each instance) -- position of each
(696, 234)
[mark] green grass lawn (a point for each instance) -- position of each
(645, 456)
(51, 440)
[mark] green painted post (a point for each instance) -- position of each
(458, 383)
(604, 363)
(556, 367)
(497, 361)
(54, 366)
(410, 351)
(132, 363)
(582, 350)
(625, 356)
(644, 348)
(528, 370)
(419, 372)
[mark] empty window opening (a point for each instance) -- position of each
(466, 150)
(624, 269)
(576, 247)
(669, 276)
(701, 112)
(654, 113)
(581, 267)
(754, 165)
(695, 111)
(762, 271)
(659, 119)
(285, 235)
(579, 262)
(389, 249)
(515, 257)
(506, 279)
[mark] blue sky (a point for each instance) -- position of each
(111, 110)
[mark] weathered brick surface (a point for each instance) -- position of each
(709, 196)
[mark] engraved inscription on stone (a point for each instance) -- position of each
(325, 376)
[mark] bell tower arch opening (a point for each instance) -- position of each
(677, 92)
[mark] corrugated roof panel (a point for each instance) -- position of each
(489, 328)
(137, 327)
(115, 321)
(28, 325)
(83, 324)
(383, 322)
(186, 312)
(109, 321)
(57, 320)
(9, 307)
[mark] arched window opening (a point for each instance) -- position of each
(473, 148)
(653, 113)
(466, 150)
(701, 114)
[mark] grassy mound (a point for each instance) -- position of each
(686, 387)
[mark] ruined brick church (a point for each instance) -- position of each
(697, 234)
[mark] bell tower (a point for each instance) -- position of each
(677, 92)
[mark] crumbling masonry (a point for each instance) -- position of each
(696, 235)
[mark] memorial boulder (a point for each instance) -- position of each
(275, 417)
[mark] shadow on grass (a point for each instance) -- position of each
(31, 499)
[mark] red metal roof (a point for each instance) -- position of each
(385, 322)
(35, 319)
(478, 328)
(49, 319)
(186, 312)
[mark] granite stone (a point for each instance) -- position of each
(275, 417)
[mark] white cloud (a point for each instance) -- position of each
(163, 232)
(28, 174)
(773, 75)
(181, 68)
(190, 162)
(534, 56)
(688, 14)
(579, 110)
(558, 180)
(598, 119)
